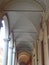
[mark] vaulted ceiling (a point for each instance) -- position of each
(24, 17)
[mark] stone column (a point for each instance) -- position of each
(10, 51)
(1, 23)
(14, 51)
(6, 41)
(5, 55)
(36, 53)
(45, 44)
(33, 58)
(16, 58)
(48, 34)
(39, 47)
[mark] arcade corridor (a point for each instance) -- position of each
(26, 29)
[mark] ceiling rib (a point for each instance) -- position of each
(24, 32)
(26, 41)
(22, 10)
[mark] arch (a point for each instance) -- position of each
(41, 3)
(10, 3)
(24, 56)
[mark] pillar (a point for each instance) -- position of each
(1, 25)
(48, 34)
(36, 56)
(39, 47)
(5, 55)
(14, 52)
(10, 51)
(33, 57)
(6, 41)
(16, 58)
(45, 44)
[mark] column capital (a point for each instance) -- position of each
(1, 25)
(44, 26)
(7, 39)
(40, 38)
(10, 47)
